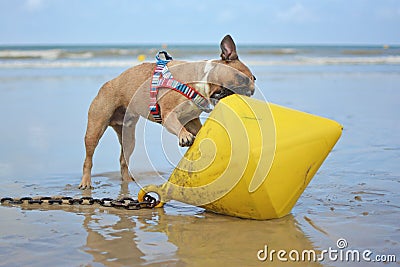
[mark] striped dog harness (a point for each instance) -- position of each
(162, 78)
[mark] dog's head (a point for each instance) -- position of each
(232, 75)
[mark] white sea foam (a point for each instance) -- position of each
(80, 62)
(64, 53)
(351, 60)
(49, 54)
(67, 64)
(392, 60)
(21, 54)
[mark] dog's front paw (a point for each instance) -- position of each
(186, 138)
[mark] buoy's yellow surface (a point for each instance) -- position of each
(250, 159)
(141, 57)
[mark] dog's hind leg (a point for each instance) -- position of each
(98, 120)
(95, 130)
(127, 141)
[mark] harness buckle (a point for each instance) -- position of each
(167, 56)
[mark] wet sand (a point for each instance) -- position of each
(354, 195)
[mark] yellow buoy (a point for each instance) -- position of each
(250, 159)
(141, 57)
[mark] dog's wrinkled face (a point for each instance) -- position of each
(232, 75)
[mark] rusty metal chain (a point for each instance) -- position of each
(125, 203)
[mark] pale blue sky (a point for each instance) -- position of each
(195, 21)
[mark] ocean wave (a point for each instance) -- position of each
(276, 52)
(352, 60)
(295, 61)
(68, 64)
(53, 54)
(50, 54)
(30, 54)
(390, 60)
(360, 52)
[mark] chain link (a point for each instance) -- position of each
(124, 203)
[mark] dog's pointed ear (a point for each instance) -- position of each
(228, 48)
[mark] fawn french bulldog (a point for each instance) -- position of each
(212, 80)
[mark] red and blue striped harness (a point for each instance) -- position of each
(162, 78)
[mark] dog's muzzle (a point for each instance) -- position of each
(243, 91)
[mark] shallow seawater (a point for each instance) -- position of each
(353, 196)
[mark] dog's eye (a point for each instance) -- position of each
(254, 78)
